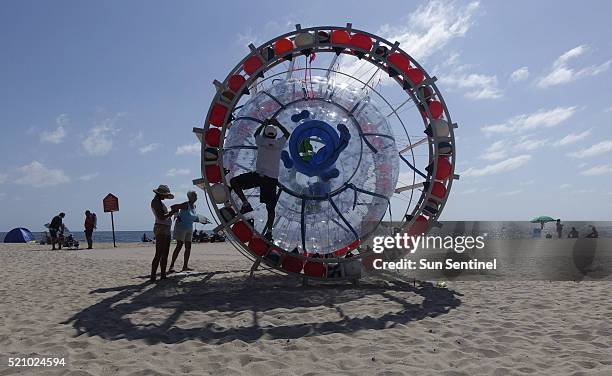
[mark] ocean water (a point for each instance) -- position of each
(493, 229)
(102, 236)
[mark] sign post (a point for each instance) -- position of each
(111, 204)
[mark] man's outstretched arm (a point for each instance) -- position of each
(261, 127)
(280, 126)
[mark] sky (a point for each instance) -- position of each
(100, 97)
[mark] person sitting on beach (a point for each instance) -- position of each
(265, 176)
(593, 234)
(573, 234)
(161, 229)
(56, 227)
(183, 229)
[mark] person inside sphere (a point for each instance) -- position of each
(265, 176)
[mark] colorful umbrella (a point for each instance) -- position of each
(542, 219)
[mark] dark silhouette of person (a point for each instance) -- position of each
(56, 227)
(90, 225)
(161, 229)
(559, 228)
(265, 176)
(573, 234)
(593, 233)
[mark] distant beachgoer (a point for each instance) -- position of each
(593, 234)
(573, 234)
(559, 228)
(56, 227)
(161, 229)
(145, 239)
(183, 229)
(90, 225)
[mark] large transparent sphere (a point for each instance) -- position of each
(342, 169)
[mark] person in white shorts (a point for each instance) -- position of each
(183, 229)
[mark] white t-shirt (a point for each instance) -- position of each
(269, 155)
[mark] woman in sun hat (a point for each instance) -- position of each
(161, 229)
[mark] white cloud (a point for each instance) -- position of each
(3, 178)
(475, 86)
(88, 177)
(495, 151)
(137, 138)
(528, 182)
(565, 186)
(597, 170)
(37, 175)
(520, 74)
(538, 119)
(100, 138)
(425, 31)
(189, 149)
(500, 149)
(430, 27)
(148, 148)
(178, 171)
(475, 190)
(594, 150)
(561, 73)
(243, 39)
(510, 193)
(572, 138)
(503, 166)
(57, 135)
(527, 144)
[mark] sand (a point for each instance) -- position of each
(95, 309)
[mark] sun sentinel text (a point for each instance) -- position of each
(412, 244)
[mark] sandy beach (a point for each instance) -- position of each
(95, 309)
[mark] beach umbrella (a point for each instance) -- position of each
(543, 219)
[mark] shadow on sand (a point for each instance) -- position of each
(113, 317)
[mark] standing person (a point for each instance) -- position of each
(161, 229)
(90, 225)
(559, 228)
(183, 229)
(56, 226)
(265, 176)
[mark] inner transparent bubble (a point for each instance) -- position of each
(343, 168)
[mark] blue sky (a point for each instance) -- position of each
(101, 97)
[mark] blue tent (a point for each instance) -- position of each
(19, 235)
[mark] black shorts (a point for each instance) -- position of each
(267, 186)
(53, 233)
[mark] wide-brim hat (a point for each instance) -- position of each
(163, 190)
